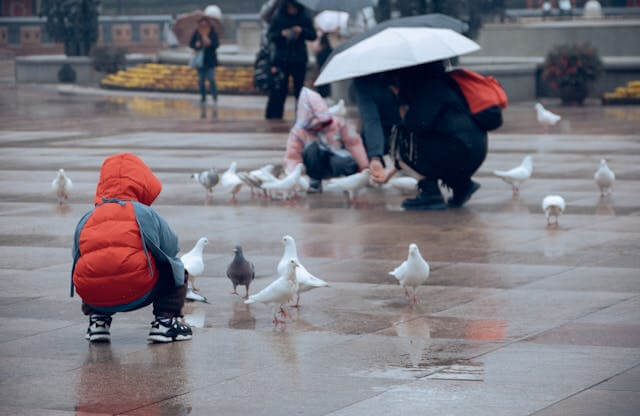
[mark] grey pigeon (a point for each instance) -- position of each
(240, 271)
(208, 179)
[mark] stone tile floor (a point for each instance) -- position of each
(516, 318)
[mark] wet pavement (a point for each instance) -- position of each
(516, 318)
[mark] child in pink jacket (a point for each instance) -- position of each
(323, 142)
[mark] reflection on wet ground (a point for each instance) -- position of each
(515, 319)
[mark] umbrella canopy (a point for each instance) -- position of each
(187, 23)
(349, 6)
(436, 20)
(395, 48)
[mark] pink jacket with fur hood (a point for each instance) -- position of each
(313, 111)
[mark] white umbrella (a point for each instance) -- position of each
(393, 48)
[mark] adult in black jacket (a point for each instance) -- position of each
(438, 139)
(379, 112)
(322, 55)
(205, 39)
(289, 30)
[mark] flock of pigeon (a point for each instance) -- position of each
(294, 279)
(552, 205)
(264, 182)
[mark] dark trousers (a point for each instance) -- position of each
(321, 163)
(167, 299)
(207, 74)
(444, 158)
(450, 160)
(278, 94)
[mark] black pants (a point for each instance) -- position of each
(278, 94)
(444, 158)
(321, 163)
(167, 299)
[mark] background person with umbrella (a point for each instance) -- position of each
(205, 42)
(437, 138)
(289, 30)
(377, 104)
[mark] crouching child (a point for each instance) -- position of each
(124, 254)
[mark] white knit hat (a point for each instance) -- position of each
(213, 11)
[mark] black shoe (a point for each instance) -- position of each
(99, 326)
(462, 193)
(429, 198)
(315, 186)
(169, 330)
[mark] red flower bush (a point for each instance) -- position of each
(571, 65)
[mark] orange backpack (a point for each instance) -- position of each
(484, 95)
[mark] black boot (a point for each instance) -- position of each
(428, 199)
(462, 193)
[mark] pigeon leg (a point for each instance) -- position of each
(406, 293)
(297, 305)
(235, 292)
(283, 311)
(415, 296)
(246, 296)
(277, 321)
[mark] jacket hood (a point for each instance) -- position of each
(125, 176)
(312, 110)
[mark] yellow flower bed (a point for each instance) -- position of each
(631, 90)
(179, 78)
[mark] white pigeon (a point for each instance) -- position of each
(604, 178)
(194, 264)
(286, 186)
(208, 179)
(413, 272)
(303, 184)
(62, 186)
(256, 178)
(338, 109)
(230, 181)
(279, 292)
(404, 183)
(546, 117)
(306, 281)
(518, 175)
(351, 184)
(553, 206)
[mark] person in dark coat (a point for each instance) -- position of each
(289, 30)
(321, 57)
(379, 112)
(438, 139)
(205, 39)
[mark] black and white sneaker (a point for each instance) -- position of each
(169, 330)
(98, 330)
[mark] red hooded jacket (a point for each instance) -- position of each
(113, 266)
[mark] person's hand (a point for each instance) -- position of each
(274, 69)
(377, 170)
(386, 175)
(285, 33)
(206, 40)
(297, 30)
(403, 110)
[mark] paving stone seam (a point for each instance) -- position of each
(583, 390)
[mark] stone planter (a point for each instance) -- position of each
(573, 94)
